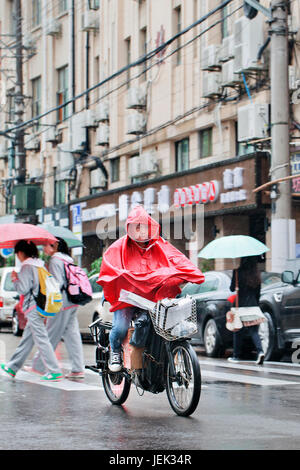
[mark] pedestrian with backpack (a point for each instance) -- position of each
(65, 325)
(35, 333)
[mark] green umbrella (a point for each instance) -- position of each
(233, 246)
(70, 238)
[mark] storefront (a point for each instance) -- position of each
(218, 199)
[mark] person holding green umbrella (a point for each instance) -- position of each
(248, 296)
(246, 280)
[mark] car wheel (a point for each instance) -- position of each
(212, 343)
(267, 333)
(15, 325)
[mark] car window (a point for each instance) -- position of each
(95, 287)
(269, 278)
(8, 284)
(208, 286)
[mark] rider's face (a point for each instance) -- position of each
(139, 232)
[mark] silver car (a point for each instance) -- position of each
(88, 313)
(8, 296)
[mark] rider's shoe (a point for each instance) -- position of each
(115, 361)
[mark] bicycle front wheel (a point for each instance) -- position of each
(116, 386)
(184, 389)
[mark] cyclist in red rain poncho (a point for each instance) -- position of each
(144, 263)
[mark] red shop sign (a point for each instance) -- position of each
(197, 194)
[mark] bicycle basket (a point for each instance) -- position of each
(175, 318)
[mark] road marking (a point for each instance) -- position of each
(225, 376)
(256, 368)
(64, 384)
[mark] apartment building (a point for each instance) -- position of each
(173, 121)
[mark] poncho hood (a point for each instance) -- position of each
(154, 271)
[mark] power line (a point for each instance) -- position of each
(136, 63)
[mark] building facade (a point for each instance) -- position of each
(177, 116)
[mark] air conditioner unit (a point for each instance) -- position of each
(253, 122)
(31, 143)
(102, 135)
(90, 21)
(294, 81)
(227, 49)
(3, 151)
(210, 57)
(134, 167)
(53, 27)
(148, 163)
(137, 97)
(89, 119)
(65, 165)
(51, 135)
(77, 133)
(36, 173)
(29, 43)
(102, 113)
(136, 123)
(248, 38)
(229, 78)
(97, 179)
(211, 84)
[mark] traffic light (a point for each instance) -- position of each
(250, 11)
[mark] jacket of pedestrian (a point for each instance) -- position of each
(154, 272)
(57, 269)
(248, 296)
(28, 282)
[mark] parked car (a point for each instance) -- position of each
(212, 306)
(8, 296)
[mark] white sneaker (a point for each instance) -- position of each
(115, 362)
(233, 359)
(260, 359)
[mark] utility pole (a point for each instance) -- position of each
(20, 155)
(282, 227)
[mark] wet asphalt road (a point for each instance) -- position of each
(242, 407)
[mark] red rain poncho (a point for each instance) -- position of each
(154, 272)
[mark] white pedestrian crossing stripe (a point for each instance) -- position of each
(218, 370)
(264, 375)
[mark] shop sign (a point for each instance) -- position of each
(233, 179)
(150, 198)
(197, 194)
(99, 212)
(295, 170)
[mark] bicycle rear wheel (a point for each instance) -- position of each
(116, 386)
(184, 389)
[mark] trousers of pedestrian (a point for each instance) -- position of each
(238, 337)
(64, 326)
(35, 333)
(121, 323)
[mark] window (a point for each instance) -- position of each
(178, 29)
(143, 46)
(63, 93)
(205, 143)
(93, 4)
(60, 192)
(62, 6)
(36, 107)
(36, 13)
(128, 58)
(115, 169)
(224, 23)
(182, 155)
